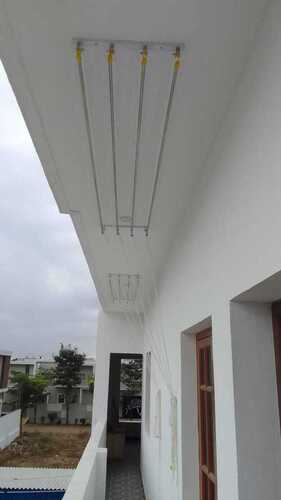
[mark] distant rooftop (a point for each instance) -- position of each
(33, 359)
(5, 353)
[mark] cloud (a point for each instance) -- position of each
(47, 294)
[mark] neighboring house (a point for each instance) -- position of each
(52, 409)
(4, 374)
(167, 158)
(9, 421)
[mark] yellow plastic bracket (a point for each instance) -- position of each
(144, 57)
(177, 59)
(110, 54)
(78, 54)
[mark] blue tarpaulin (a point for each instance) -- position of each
(30, 495)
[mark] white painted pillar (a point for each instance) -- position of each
(256, 402)
(227, 467)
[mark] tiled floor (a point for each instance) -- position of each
(123, 477)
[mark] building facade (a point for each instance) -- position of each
(9, 421)
(53, 409)
(4, 374)
(187, 263)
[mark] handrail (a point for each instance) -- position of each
(99, 434)
(89, 479)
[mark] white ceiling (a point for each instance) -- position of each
(37, 49)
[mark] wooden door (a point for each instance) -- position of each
(206, 416)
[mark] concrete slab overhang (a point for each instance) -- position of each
(38, 52)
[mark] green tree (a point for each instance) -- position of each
(29, 390)
(90, 381)
(48, 374)
(39, 383)
(67, 373)
(131, 374)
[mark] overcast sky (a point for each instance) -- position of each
(46, 292)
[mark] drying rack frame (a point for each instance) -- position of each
(143, 49)
(132, 280)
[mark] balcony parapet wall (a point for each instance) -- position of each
(9, 428)
(89, 479)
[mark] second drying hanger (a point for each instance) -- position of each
(142, 51)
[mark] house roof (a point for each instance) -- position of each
(26, 360)
(5, 353)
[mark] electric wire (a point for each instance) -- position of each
(156, 340)
(163, 331)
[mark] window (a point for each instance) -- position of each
(74, 398)
(4, 371)
(206, 414)
(1, 371)
(61, 398)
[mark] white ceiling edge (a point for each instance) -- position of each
(34, 121)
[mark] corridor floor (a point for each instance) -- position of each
(123, 477)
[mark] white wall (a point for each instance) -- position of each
(115, 334)
(256, 403)
(9, 428)
(228, 241)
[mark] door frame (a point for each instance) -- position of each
(204, 339)
(276, 326)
